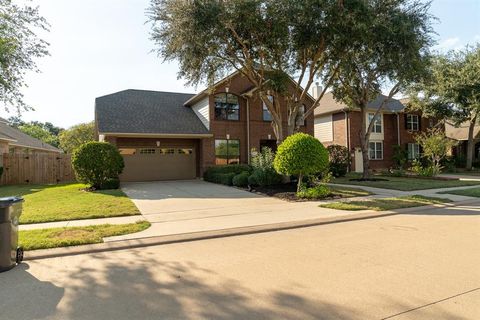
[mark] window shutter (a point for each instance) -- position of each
(406, 121)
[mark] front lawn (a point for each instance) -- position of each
(46, 203)
(73, 236)
(474, 192)
(405, 184)
(383, 204)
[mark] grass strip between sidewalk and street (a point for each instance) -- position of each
(405, 184)
(384, 204)
(474, 192)
(61, 202)
(73, 236)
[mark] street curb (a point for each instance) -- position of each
(194, 236)
(223, 233)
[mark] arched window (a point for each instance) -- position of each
(227, 107)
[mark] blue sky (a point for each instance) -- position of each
(102, 46)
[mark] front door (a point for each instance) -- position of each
(358, 160)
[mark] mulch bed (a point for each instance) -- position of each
(286, 192)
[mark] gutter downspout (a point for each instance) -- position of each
(248, 131)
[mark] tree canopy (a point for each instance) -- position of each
(451, 91)
(267, 41)
(390, 41)
(19, 46)
(44, 131)
(72, 138)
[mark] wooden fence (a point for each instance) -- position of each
(36, 168)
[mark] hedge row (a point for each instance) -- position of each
(225, 174)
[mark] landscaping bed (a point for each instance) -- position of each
(287, 192)
(48, 203)
(384, 204)
(405, 183)
(73, 236)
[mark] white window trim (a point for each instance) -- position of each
(380, 118)
(375, 142)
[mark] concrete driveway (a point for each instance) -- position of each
(177, 207)
(418, 266)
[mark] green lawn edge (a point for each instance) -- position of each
(385, 204)
(472, 192)
(73, 236)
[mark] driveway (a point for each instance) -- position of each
(176, 207)
(418, 266)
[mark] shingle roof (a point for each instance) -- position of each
(18, 138)
(329, 104)
(146, 112)
(460, 132)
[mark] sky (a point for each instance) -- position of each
(98, 47)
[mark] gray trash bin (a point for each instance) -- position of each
(10, 253)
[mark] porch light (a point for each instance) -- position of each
(269, 137)
(158, 143)
(228, 136)
(226, 89)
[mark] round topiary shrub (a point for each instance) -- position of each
(301, 154)
(97, 164)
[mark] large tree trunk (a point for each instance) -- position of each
(364, 141)
(471, 143)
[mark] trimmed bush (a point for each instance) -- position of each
(266, 177)
(241, 179)
(339, 160)
(318, 192)
(302, 155)
(252, 181)
(111, 184)
(97, 164)
(212, 174)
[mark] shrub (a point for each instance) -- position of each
(339, 160)
(252, 181)
(301, 154)
(263, 172)
(241, 179)
(318, 192)
(95, 163)
(400, 156)
(111, 184)
(212, 173)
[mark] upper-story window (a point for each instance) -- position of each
(227, 107)
(301, 115)
(377, 125)
(413, 122)
(267, 116)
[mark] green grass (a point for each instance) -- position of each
(46, 203)
(73, 236)
(346, 192)
(474, 192)
(384, 204)
(405, 184)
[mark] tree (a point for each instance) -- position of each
(390, 42)
(302, 155)
(435, 147)
(72, 138)
(19, 46)
(452, 91)
(97, 164)
(39, 132)
(267, 41)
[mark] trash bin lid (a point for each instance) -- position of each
(8, 201)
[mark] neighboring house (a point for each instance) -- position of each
(336, 123)
(167, 136)
(460, 134)
(14, 141)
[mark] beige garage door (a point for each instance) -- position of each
(152, 164)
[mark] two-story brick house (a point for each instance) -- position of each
(336, 123)
(167, 136)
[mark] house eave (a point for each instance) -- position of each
(156, 135)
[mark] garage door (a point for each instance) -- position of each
(152, 164)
